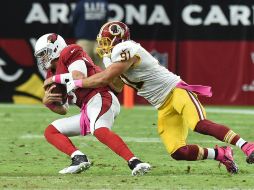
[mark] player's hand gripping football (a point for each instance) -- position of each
(48, 82)
(49, 97)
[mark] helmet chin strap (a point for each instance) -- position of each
(112, 42)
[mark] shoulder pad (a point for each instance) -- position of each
(71, 53)
(70, 50)
(124, 51)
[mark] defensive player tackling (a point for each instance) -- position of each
(178, 106)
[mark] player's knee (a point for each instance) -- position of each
(180, 153)
(49, 131)
(100, 132)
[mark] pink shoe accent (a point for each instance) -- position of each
(225, 157)
(248, 149)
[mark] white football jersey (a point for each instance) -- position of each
(151, 80)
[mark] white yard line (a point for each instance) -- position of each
(91, 138)
(126, 139)
(230, 111)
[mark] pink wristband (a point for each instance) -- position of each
(78, 83)
(57, 79)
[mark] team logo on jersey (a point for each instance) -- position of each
(52, 38)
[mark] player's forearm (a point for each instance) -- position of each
(117, 84)
(101, 79)
(95, 81)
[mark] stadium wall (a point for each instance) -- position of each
(205, 42)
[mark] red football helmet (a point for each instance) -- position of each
(110, 35)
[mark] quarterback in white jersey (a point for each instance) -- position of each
(176, 101)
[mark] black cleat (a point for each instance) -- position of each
(138, 167)
(79, 164)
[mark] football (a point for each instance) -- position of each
(59, 89)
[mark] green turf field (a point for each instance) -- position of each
(28, 162)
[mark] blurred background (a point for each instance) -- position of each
(208, 42)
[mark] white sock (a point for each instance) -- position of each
(240, 143)
(77, 152)
(211, 153)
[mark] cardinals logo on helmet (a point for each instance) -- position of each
(52, 38)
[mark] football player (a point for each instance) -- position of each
(99, 106)
(176, 101)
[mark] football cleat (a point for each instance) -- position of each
(225, 157)
(138, 167)
(79, 164)
(248, 149)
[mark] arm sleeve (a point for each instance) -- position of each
(78, 65)
(124, 51)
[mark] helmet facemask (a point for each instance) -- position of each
(44, 58)
(105, 45)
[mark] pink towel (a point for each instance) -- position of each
(198, 89)
(84, 121)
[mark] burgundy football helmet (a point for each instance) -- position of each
(110, 35)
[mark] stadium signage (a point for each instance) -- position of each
(238, 15)
(60, 12)
(192, 15)
(203, 41)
